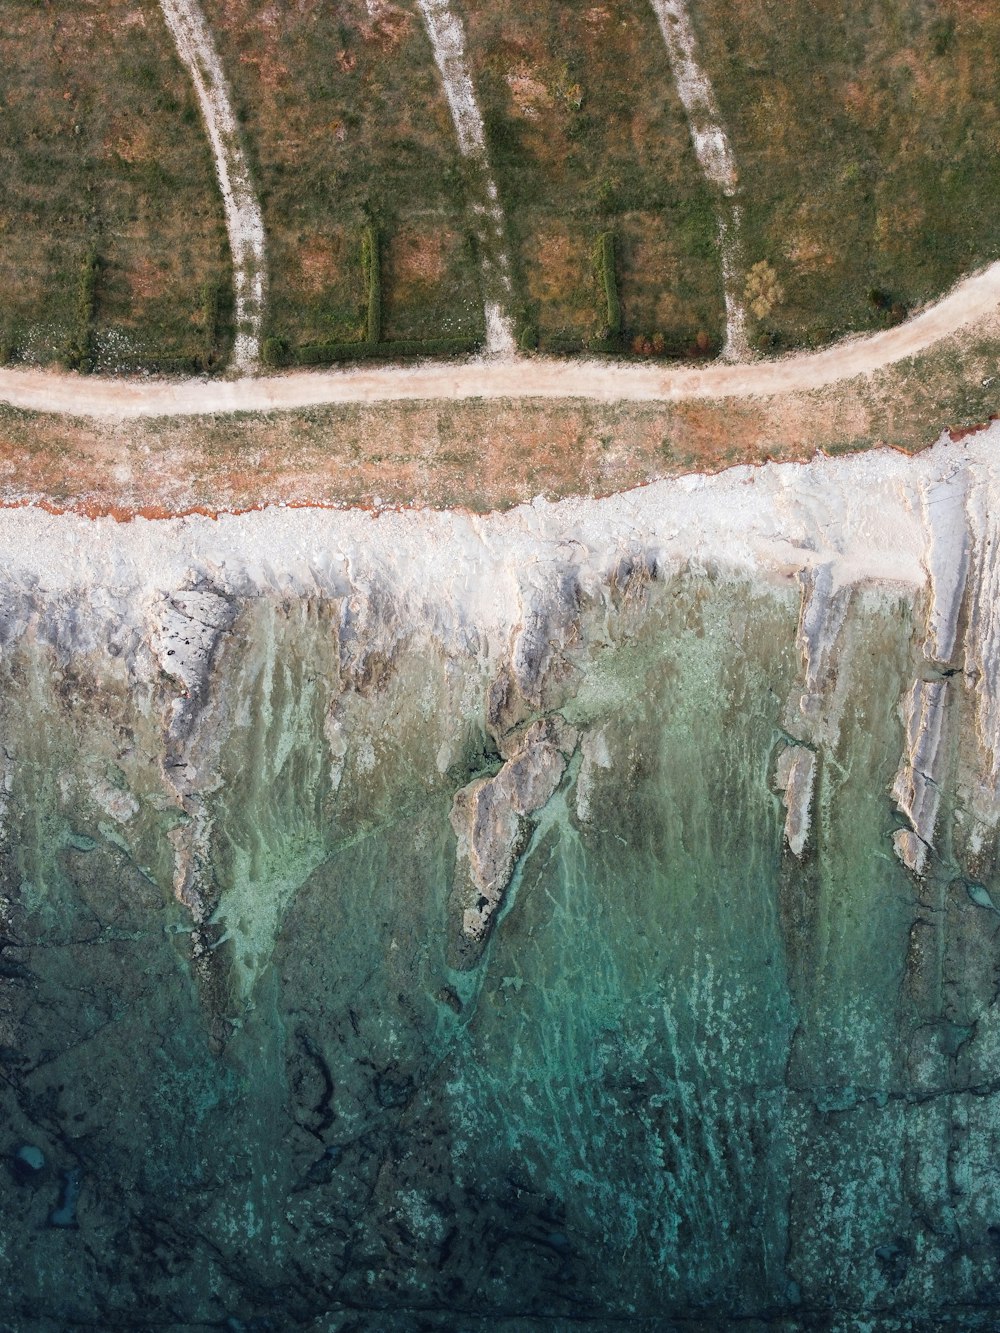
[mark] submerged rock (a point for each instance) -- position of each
(492, 817)
(794, 778)
(28, 1164)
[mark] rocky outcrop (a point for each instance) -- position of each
(811, 716)
(534, 675)
(550, 599)
(186, 628)
(795, 777)
(824, 610)
(492, 819)
(916, 789)
(982, 640)
(946, 559)
(186, 631)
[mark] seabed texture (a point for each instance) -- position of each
(578, 937)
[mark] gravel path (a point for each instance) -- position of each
(447, 38)
(715, 157)
(974, 298)
(239, 198)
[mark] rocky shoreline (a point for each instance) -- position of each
(436, 897)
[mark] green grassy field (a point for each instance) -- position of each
(346, 123)
(113, 250)
(586, 133)
(868, 141)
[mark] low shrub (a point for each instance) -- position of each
(889, 307)
(605, 257)
(674, 346)
(211, 318)
(173, 365)
(325, 354)
(762, 290)
(276, 352)
(563, 346)
(528, 338)
(942, 35)
(372, 265)
(79, 350)
(604, 345)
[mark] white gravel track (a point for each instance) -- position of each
(244, 222)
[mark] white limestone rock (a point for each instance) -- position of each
(910, 849)
(916, 788)
(946, 558)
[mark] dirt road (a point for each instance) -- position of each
(973, 299)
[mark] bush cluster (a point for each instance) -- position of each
(675, 346)
(893, 311)
(561, 345)
(277, 352)
(762, 291)
(173, 365)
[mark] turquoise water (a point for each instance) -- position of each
(690, 1081)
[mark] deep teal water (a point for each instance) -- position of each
(690, 1082)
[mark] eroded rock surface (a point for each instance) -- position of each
(492, 817)
(795, 777)
(916, 788)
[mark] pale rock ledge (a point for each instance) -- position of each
(823, 613)
(492, 817)
(916, 788)
(946, 558)
(795, 777)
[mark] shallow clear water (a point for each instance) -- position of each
(689, 1078)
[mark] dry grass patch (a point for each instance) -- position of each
(103, 152)
(346, 123)
(561, 282)
(868, 142)
(663, 293)
(418, 262)
(586, 132)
